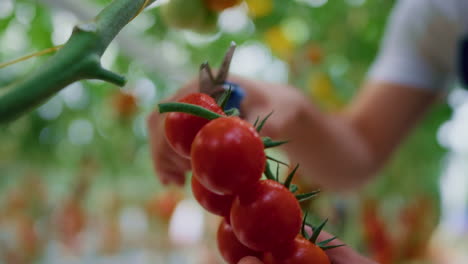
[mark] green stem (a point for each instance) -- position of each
(79, 59)
(189, 109)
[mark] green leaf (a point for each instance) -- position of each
(277, 172)
(268, 172)
(325, 242)
(270, 143)
(304, 220)
(222, 101)
(260, 126)
(316, 232)
(290, 177)
(306, 196)
(331, 247)
(256, 121)
(232, 112)
(278, 161)
(293, 188)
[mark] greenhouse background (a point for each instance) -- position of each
(77, 183)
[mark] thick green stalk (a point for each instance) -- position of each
(79, 59)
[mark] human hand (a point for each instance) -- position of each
(261, 98)
(340, 255)
(170, 167)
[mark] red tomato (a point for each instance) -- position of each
(228, 155)
(299, 252)
(71, 221)
(125, 104)
(266, 216)
(162, 205)
(229, 246)
(212, 202)
(220, 5)
(181, 128)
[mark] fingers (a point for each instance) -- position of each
(169, 166)
(250, 260)
(344, 254)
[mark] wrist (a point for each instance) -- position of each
(297, 120)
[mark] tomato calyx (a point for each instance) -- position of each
(315, 234)
(259, 126)
(288, 182)
(270, 143)
(224, 98)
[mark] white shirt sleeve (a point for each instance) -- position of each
(406, 56)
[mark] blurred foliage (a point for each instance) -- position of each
(327, 47)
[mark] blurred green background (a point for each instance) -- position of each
(84, 154)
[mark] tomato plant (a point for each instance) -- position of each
(266, 216)
(298, 252)
(212, 202)
(228, 155)
(229, 246)
(181, 128)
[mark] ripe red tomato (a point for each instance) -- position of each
(266, 216)
(125, 104)
(162, 205)
(229, 246)
(212, 202)
(299, 252)
(181, 128)
(228, 155)
(220, 5)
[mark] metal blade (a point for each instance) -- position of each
(224, 70)
(206, 78)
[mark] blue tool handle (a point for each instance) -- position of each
(237, 95)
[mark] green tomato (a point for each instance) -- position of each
(209, 24)
(184, 14)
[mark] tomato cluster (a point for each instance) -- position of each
(262, 218)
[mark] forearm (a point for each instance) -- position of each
(328, 149)
(341, 153)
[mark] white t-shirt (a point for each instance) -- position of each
(421, 44)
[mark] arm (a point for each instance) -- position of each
(342, 151)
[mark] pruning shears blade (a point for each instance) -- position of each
(211, 85)
(224, 70)
(206, 78)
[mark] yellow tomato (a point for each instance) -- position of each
(278, 42)
(322, 89)
(259, 8)
(183, 14)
